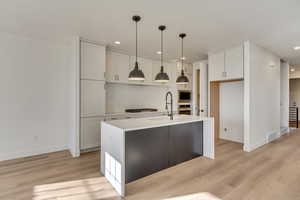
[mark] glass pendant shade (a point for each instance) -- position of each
(136, 74)
(162, 77)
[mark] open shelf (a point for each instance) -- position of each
(138, 83)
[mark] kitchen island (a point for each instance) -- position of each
(135, 148)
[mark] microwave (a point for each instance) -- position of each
(184, 96)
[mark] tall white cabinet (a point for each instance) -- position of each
(92, 94)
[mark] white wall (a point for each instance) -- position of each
(232, 111)
(262, 95)
(36, 83)
(284, 95)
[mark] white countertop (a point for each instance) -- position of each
(152, 122)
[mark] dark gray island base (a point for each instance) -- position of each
(135, 148)
(150, 150)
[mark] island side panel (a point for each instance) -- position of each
(208, 138)
(146, 152)
(186, 142)
(113, 143)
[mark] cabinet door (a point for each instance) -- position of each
(92, 98)
(90, 132)
(146, 152)
(234, 64)
(172, 72)
(186, 142)
(117, 68)
(92, 61)
(217, 67)
(145, 65)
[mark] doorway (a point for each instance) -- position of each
(200, 89)
(227, 108)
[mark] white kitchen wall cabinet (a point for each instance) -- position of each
(117, 68)
(90, 132)
(217, 66)
(226, 65)
(145, 65)
(187, 68)
(93, 61)
(234, 64)
(92, 98)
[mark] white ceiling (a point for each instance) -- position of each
(209, 24)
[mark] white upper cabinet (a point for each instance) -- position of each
(145, 65)
(92, 61)
(217, 66)
(156, 69)
(234, 63)
(117, 68)
(226, 65)
(187, 68)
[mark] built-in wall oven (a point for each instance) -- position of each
(184, 96)
(184, 102)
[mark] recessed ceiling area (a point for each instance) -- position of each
(209, 25)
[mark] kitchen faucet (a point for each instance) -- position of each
(169, 103)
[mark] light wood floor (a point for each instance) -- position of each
(269, 173)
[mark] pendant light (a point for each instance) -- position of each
(162, 77)
(182, 79)
(136, 74)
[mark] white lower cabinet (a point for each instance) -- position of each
(90, 132)
(92, 98)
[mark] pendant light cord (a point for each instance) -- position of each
(162, 51)
(182, 55)
(136, 42)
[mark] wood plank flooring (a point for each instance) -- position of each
(269, 173)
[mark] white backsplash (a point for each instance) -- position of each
(120, 97)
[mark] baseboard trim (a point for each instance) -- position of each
(261, 143)
(33, 152)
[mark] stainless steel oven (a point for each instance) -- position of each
(184, 96)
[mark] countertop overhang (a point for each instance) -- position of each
(153, 122)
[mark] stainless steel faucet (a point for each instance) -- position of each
(169, 103)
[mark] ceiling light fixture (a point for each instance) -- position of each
(297, 48)
(117, 42)
(292, 69)
(159, 52)
(136, 74)
(182, 79)
(162, 76)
